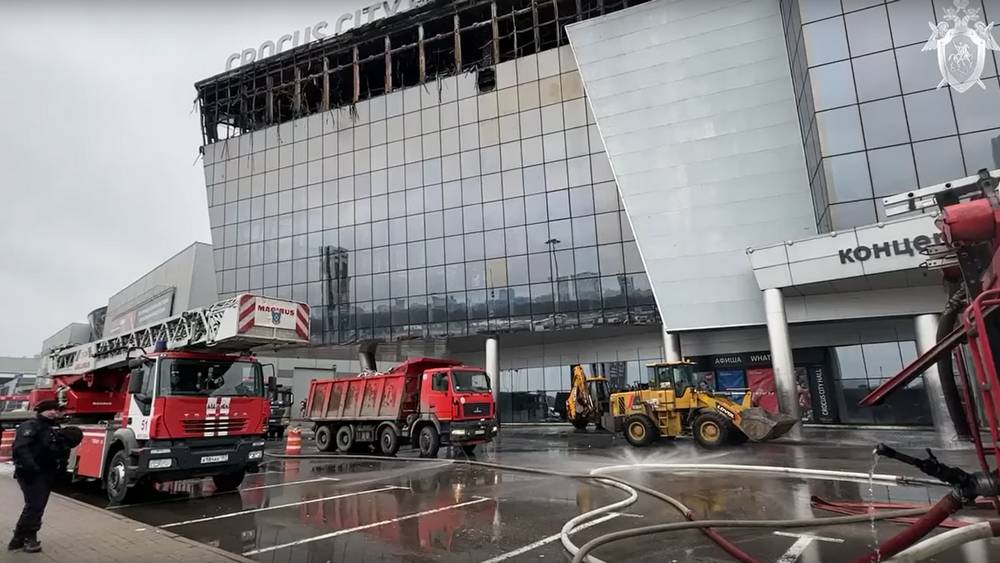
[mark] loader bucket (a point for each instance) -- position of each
(760, 425)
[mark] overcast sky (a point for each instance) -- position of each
(102, 179)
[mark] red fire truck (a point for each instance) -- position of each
(177, 399)
(424, 402)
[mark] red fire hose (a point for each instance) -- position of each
(944, 508)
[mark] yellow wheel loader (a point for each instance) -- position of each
(673, 405)
(588, 401)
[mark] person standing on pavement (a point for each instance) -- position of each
(39, 451)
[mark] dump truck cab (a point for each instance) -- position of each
(676, 403)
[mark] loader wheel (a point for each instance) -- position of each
(711, 430)
(640, 430)
(324, 439)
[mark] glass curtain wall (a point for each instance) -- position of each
(873, 121)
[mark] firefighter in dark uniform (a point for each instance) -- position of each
(40, 451)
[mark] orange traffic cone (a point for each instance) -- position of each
(6, 445)
(293, 444)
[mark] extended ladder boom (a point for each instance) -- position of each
(238, 324)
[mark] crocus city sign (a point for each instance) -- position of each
(321, 29)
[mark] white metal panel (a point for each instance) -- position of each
(695, 106)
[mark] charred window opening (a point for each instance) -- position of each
(371, 63)
(476, 36)
(434, 40)
(439, 47)
(311, 87)
(486, 79)
(405, 55)
(341, 78)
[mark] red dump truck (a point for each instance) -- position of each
(424, 402)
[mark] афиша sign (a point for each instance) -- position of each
(320, 29)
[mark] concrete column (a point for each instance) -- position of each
(493, 370)
(925, 327)
(671, 346)
(781, 357)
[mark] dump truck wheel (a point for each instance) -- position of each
(711, 430)
(388, 440)
(640, 430)
(429, 442)
(345, 438)
(324, 439)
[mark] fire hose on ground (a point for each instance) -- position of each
(581, 553)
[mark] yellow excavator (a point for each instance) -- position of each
(588, 400)
(674, 405)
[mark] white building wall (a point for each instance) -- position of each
(694, 102)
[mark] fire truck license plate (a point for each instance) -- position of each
(215, 458)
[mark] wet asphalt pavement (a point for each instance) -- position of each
(340, 510)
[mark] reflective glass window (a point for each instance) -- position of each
(540, 267)
(855, 214)
(474, 246)
(847, 177)
(832, 85)
(930, 114)
(434, 224)
(536, 209)
(517, 270)
(840, 130)
(825, 41)
(455, 277)
(868, 30)
(938, 161)
(454, 249)
(513, 211)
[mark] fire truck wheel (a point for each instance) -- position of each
(115, 479)
(429, 442)
(324, 439)
(388, 440)
(228, 481)
(345, 438)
